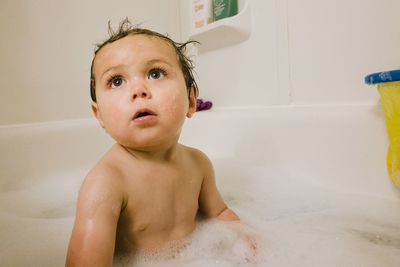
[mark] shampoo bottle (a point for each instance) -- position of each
(202, 12)
(224, 8)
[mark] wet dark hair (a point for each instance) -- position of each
(127, 28)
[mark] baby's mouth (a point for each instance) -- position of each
(142, 113)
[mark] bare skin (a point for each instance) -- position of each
(147, 189)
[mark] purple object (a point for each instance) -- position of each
(203, 105)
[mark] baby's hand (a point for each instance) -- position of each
(246, 247)
(253, 246)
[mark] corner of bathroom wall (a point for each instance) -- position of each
(304, 53)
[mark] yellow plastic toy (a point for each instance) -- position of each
(389, 90)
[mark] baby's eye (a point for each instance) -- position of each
(116, 82)
(156, 74)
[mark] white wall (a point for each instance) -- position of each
(247, 73)
(46, 49)
(299, 52)
(334, 44)
(305, 52)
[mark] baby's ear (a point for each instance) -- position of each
(192, 103)
(97, 113)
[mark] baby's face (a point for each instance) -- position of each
(142, 100)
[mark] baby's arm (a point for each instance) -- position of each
(93, 237)
(213, 206)
(211, 203)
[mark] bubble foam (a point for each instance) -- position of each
(213, 243)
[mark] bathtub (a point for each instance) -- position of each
(311, 179)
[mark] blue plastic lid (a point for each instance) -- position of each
(383, 77)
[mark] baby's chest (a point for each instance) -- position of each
(163, 202)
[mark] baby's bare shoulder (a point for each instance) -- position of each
(105, 176)
(197, 155)
(102, 180)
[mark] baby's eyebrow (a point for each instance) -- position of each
(112, 68)
(147, 63)
(159, 60)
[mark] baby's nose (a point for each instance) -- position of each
(140, 94)
(140, 90)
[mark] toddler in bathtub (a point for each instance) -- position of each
(147, 190)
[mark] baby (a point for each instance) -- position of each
(147, 189)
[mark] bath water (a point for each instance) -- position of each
(294, 223)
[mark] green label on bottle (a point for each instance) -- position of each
(224, 8)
